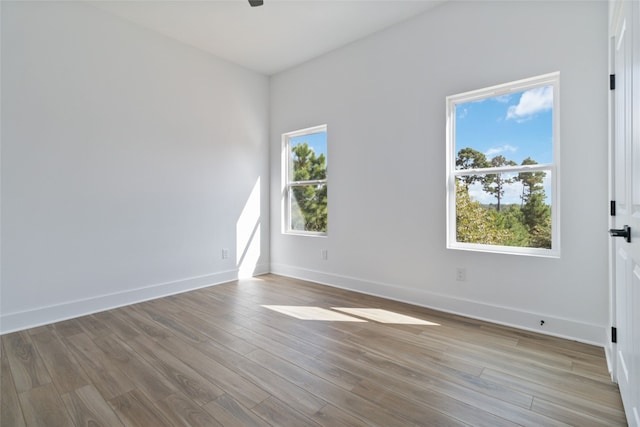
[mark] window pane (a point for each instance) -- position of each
(506, 130)
(507, 209)
(308, 157)
(308, 208)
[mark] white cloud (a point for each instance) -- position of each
(503, 99)
(497, 150)
(532, 102)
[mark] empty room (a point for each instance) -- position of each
(320, 213)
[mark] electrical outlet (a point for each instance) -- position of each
(461, 274)
(225, 253)
(325, 254)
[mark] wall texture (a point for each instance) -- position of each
(383, 99)
(129, 161)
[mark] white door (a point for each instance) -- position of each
(625, 174)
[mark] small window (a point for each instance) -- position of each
(305, 175)
(502, 168)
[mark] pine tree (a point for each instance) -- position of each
(309, 210)
(495, 183)
(468, 158)
(531, 181)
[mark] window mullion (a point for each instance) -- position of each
(303, 183)
(505, 169)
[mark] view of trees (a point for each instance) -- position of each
(308, 201)
(526, 224)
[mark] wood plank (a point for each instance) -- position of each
(136, 410)
(40, 329)
(210, 326)
(566, 415)
(174, 327)
(109, 380)
(182, 411)
(276, 413)
(68, 328)
(231, 413)
(181, 375)
(140, 323)
(327, 391)
(87, 408)
(296, 397)
(61, 365)
(25, 363)
(145, 378)
(42, 406)
(93, 327)
(429, 407)
(234, 384)
(330, 416)
(599, 410)
(116, 324)
(10, 410)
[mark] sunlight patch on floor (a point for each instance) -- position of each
(337, 314)
(384, 316)
(312, 313)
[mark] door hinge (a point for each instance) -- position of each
(614, 334)
(612, 81)
(612, 208)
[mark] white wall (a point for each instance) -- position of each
(128, 162)
(383, 99)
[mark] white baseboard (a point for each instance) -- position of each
(609, 352)
(555, 326)
(17, 321)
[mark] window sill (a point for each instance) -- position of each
(506, 250)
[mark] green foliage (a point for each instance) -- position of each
(468, 158)
(531, 181)
(309, 201)
(495, 183)
(528, 225)
(511, 218)
(475, 224)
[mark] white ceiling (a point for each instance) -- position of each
(270, 38)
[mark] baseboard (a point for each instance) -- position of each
(17, 321)
(609, 352)
(554, 326)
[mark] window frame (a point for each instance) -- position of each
(288, 184)
(550, 79)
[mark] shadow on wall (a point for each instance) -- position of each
(248, 234)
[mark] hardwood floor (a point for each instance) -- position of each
(220, 357)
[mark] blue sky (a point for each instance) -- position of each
(517, 125)
(316, 141)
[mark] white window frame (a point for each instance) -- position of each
(551, 79)
(288, 184)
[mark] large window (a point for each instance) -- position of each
(305, 177)
(502, 168)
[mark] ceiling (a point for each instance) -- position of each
(269, 38)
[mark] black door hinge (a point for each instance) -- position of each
(612, 208)
(614, 334)
(612, 81)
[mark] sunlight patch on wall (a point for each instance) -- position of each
(248, 234)
(384, 316)
(312, 313)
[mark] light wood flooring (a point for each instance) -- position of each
(218, 357)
